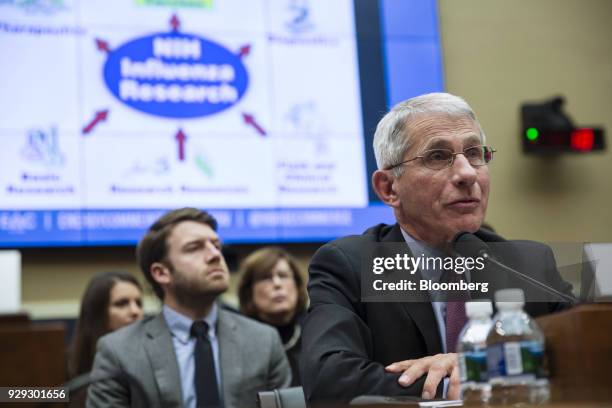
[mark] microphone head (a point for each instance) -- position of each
(469, 245)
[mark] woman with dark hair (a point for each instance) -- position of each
(273, 291)
(112, 300)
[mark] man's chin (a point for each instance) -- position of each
(217, 288)
(197, 296)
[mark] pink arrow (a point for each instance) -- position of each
(180, 138)
(250, 120)
(102, 45)
(100, 116)
(244, 50)
(175, 23)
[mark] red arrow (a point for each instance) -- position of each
(100, 116)
(102, 45)
(180, 138)
(175, 23)
(244, 50)
(250, 120)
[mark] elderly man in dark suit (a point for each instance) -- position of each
(194, 353)
(433, 172)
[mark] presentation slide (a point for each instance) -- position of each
(114, 111)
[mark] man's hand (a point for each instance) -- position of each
(437, 367)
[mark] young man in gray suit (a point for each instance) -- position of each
(194, 353)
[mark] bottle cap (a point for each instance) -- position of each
(509, 299)
(482, 308)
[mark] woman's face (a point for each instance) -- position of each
(275, 296)
(125, 305)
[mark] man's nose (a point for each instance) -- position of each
(464, 174)
(213, 253)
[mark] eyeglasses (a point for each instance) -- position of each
(438, 159)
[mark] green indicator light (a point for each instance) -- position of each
(532, 134)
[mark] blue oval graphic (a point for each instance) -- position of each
(176, 75)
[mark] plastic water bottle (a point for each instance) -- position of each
(515, 353)
(472, 349)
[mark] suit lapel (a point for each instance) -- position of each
(420, 312)
(229, 355)
(160, 351)
(423, 316)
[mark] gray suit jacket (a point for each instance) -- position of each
(251, 356)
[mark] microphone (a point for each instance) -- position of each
(469, 245)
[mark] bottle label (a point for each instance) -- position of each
(473, 366)
(524, 359)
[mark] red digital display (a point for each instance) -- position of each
(546, 141)
(582, 140)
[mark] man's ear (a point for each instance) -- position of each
(161, 273)
(383, 182)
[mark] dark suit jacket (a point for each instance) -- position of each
(251, 356)
(347, 343)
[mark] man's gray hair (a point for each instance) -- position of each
(391, 140)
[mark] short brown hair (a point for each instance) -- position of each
(257, 265)
(153, 247)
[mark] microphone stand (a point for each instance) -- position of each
(489, 259)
